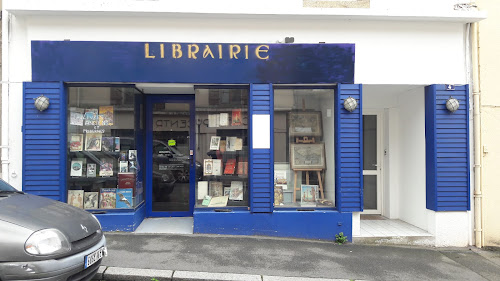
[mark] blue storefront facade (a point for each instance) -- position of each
(62, 68)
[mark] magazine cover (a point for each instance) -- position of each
(216, 189)
(236, 192)
(108, 198)
(76, 142)
(123, 156)
(91, 170)
(124, 198)
(106, 115)
(76, 116)
(123, 167)
(202, 189)
(214, 143)
(132, 155)
(217, 167)
(231, 143)
(132, 166)
(117, 144)
(76, 168)
(91, 200)
(108, 144)
(93, 141)
(75, 198)
(91, 116)
(208, 167)
(224, 119)
(236, 117)
(106, 169)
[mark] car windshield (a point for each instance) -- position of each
(6, 187)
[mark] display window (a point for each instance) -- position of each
(104, 164)
(304, 167)
(222, 147)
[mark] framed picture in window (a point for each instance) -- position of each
(305, 123)
(307, 156)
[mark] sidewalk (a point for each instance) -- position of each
(215, 257)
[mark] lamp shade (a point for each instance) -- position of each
(350, 104)
(452, 104)
(42, 103)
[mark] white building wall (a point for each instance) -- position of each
(412, 158)
(397, 42)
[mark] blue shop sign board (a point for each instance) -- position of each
(156, 62)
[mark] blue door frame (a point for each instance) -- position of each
(150, 100)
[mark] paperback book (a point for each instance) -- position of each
(91, 117)
(106, 115)
(124, 198)
(230, 166)
(76, 142)
(224, 119)
(106, 168)
(117, 144)
(91, 170)
(214, 143)
(76, 116)
(108, 144)
(123, 167)
(202, 189)
(91, 200)
(236, 192)
(236, 117)
(216, 189)
(208, 167)
(75, 198)
(93, 141)
(108, 198)
(76, 168)
(217, 167)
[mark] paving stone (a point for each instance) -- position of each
(209, 276)
(136, 274)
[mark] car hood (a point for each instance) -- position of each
(36, 213)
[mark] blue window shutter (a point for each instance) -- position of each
(261, 161)
(44, 141)
(348, 169)
(447, 149)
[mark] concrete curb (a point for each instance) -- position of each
(138, 274)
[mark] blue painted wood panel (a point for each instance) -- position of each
(447, 150)
(44, 141)
(348, 150)
(261, 161)
(172, 62)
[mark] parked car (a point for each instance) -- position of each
(44, 239)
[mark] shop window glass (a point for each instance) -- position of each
(304, 171)
(104, 163)
(222, 147)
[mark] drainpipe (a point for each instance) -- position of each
(5, 95)
(476, 94)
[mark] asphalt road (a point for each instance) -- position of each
(300, 258)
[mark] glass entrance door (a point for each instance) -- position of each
(170, 156)
(372, 194)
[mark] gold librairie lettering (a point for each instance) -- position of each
(234, 51)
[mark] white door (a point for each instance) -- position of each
(372, 161)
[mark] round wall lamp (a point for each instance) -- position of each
(452, 104)
(350, 104)
(42, 103)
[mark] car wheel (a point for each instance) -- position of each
(182, 176)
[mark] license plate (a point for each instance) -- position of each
(94, 257)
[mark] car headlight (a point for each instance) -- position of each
(47, 242)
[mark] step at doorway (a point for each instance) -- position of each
(176, 225)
